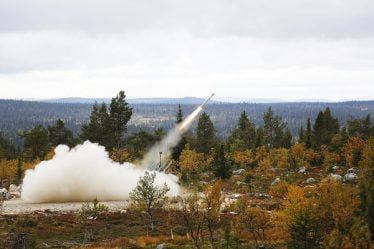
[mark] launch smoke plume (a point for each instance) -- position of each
(84, 173)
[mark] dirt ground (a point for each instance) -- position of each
(18, 206)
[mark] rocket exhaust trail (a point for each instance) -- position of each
(206, 101)
(157, 157)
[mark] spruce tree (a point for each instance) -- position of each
(92, 130)
(301, 134)
(259, 137)
(287, 139)
(305, 231)
(245, 131)
(206, 134)
(180, 146)
(324, 129)
(221, 167)
(308, 135)
(273, 129)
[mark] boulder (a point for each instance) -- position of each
(352, 170)
(13, 188)
(161, 246)
(302, 170)
(276, 181)
(336, 177)
(311, 180)
(350, 177)
(335, 168)
(238, 172)
(4, 194)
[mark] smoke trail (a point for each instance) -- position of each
(84, 173)
(153, 160)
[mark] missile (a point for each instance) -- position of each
(206, 101)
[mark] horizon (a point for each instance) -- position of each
(216, 99)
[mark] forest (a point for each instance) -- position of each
(291, 175)
(19, 116)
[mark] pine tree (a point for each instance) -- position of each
(59, 134)
(7, 150)
(107, 127)
(221, 167)
(120, 114)
(36, 142)
(180, 146)
(206, 134)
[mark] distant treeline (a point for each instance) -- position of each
(19, 116)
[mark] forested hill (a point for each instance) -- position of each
(17, 116)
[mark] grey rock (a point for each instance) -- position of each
(162, 246)
(311, 180)
(350, 177)
(276, 181)
(4, 194)
(302, 170)
(352, 170)
(14, 188)
(238, 172)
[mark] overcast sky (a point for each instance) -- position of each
(288, 49)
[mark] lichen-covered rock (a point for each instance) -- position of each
(302, 170)
(276, 181)
(14, 188)
(350, 177)
(4, 194)
(311, 180)
(162, 246)
(238, 172)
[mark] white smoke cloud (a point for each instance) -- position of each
(84, 173)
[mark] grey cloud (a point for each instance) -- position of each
(287, 18)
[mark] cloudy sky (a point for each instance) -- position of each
(288, 49)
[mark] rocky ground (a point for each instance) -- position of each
(18, 206)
